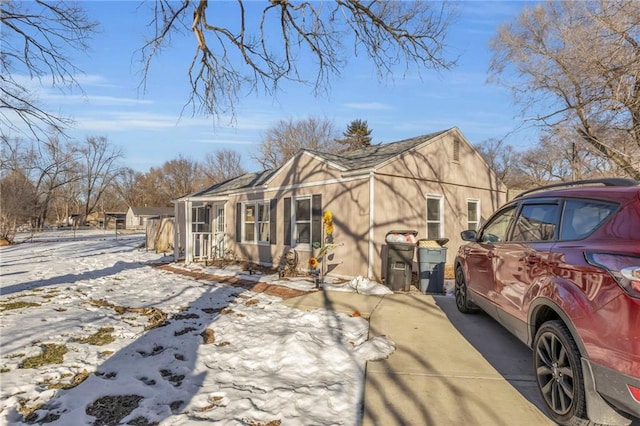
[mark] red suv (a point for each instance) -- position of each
(560, 269)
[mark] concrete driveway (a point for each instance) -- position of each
(448, 368)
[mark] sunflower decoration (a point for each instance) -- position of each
(327, 218)
(313, 262)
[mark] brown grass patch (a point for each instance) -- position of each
(75, 381)
(100, 338)
(155, 316)
(17, 305)
(51, 354)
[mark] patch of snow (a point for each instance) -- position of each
(267, 361)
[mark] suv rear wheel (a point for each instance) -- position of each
(559, 374)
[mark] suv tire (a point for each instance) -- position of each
(460, 291)
(556, 362)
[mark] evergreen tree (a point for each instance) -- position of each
(357, 135)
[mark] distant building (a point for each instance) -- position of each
(137, 216)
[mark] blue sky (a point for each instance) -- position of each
(150, 129)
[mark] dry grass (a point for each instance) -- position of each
(75, 381)
(17, 305)
(51, 354)
(100, 338)
(155, 316)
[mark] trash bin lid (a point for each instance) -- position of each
(438, 242)
(401, 236)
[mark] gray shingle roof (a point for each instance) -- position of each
(374, 155)
(246, 181)
(363, 158)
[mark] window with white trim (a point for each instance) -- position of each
(255, 222)
(302, 224)
(200, 219)
(435, 222)
(473, 214)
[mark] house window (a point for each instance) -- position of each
(434, 217)
(200, 219)
(473, 214)
(256, 222)
(302, 214)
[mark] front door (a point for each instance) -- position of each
(219, 227)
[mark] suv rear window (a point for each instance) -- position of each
(582, 217)
(536, 222)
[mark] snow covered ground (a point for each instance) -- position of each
(140, 345)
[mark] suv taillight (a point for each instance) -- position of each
(625, 269)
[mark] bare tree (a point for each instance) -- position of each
(128, 184)
(100, 165)
(579, 63)
(17, 196)
(282, 141)
(35, 39)
(47, 165)
(177, 178)
(222, 165)
(263, 45)
(504, 160)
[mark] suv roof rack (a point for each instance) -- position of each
(602, 181)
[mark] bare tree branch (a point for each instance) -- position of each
(578, 63)
(36, 40)
(263, 46)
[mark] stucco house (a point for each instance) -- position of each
(137, 216)
(436, 184)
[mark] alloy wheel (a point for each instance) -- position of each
(555, 373)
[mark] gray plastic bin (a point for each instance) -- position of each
(401, 249)
(431, 265)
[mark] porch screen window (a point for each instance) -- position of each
(257, 222)
(473, 214)
(302, 214)
(434, 217)
(200, 219)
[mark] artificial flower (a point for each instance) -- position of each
(328, 217)
(328, 228)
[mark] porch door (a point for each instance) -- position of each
(218, 232)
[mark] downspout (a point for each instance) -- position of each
(371, 224)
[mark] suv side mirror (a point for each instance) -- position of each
(469, 235)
